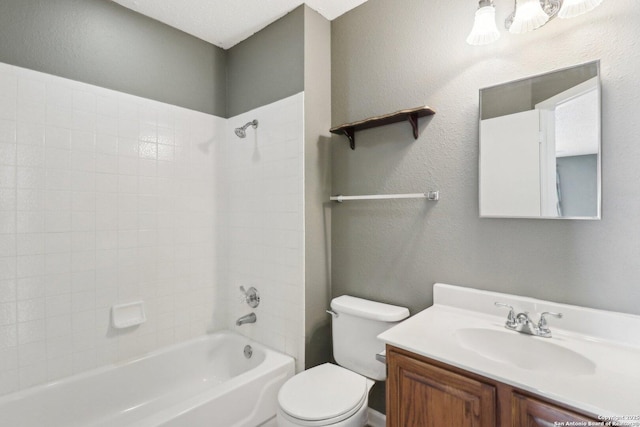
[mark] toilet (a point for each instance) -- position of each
(338, 396)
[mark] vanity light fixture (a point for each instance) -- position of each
(573, 8)
(528, 15)
(484, 29)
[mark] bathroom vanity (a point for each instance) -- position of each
(423, 392)
(456, 364)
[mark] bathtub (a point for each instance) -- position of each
(204, 382)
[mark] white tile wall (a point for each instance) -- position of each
(263, 216)
(104, 198)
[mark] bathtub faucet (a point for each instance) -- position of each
(249, 318)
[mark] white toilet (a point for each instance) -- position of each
(338, 396)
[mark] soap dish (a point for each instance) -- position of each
(128, 315)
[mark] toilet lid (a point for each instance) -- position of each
(324, 392)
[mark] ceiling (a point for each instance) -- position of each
(225, 23)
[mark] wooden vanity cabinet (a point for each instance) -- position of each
(426, 393)
(420, 394)
(531, 412)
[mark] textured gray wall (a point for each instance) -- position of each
(102, 43)
(317, 183)
(388, 55)
(395, 251)
(268, 66)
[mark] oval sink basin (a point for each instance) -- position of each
(524, 351)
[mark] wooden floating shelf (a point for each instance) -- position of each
(411, 115)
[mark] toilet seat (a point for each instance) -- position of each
(324, 395)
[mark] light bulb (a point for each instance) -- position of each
(573, 8)
(484, 29)
(529, 16)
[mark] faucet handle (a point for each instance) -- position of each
(242, 297)
(542, 324)
(511, 317)
(251, 296)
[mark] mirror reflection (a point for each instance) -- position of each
(540, 146)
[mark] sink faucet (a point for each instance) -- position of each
(249, 318)
(525, 325)
(522, 322)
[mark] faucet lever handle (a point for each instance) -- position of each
(251, 296)
(511, 317)
(243, 295)
(542, 323)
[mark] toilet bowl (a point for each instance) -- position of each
(327, 395)
(338, 396)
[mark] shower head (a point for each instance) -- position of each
(242, 131)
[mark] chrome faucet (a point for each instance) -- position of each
(522, 322)
(249, 318)
(251, 296)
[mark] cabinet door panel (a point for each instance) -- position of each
(529, 412)
(423, 395)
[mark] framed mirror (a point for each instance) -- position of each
(540, 146)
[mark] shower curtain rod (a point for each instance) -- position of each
(431, 195)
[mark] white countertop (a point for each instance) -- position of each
(609, 343)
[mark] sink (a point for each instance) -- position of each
(524, 351)
(592, 362)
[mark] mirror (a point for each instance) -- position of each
(540, 146)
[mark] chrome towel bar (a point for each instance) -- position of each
(431, 195)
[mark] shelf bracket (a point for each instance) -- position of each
(413, 121)
(350, 133)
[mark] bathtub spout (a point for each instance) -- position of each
(249, 318)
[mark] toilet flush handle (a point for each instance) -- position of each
(332, 313)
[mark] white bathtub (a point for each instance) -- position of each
(203, 382)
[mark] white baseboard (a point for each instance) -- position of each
(377, 419)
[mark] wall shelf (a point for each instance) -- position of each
(411, 115)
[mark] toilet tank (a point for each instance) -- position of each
(355, 330)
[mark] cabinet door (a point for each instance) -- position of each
(529, 412)
(423, 395)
